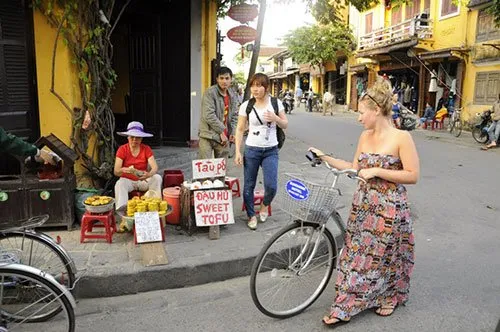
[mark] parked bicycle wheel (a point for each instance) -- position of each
(479, 135)
(28, 297)
(292, 269)
(456, 129)
(40, 251)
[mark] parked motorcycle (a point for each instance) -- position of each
(407, 119)
(480, 130)
(288, 103)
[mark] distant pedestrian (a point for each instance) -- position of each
(328, 103)
(298, 95)
(429, 114)
(261, 145)
(218, 117)
(310, 98)
(377, 260)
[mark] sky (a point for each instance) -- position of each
(278, 21)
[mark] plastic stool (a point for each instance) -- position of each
(258, 198)
(231, 182)
(104, 220)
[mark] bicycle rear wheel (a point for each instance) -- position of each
(288, 275)
(25, 296)
(38, 250)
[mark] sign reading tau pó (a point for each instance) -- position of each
(209, 168)
(213, 207)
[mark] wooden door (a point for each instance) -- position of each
(144, 55)
(18, 110)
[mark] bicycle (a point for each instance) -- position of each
(303, 254)
(39, 250)
(28, 295)
(455, 124)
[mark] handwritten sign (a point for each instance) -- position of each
(147, 227)
(209, 168)
(213, 207)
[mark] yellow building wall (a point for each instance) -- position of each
(448, 32)
(208, 41)
(54, 117)
(471, 70)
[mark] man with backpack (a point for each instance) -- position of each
(218, 117)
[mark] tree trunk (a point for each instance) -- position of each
(256, 48)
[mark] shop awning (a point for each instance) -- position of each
(277, 75)
(444, 53)
(386, 49)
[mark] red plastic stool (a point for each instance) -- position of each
(231, 182)
(258, 198)
(104, 220)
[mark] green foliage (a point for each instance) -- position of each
(239, 78)
(81, 30)
(495, 11)
(317, 44)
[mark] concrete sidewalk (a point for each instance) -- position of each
(116, 269)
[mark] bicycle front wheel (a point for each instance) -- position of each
(37, 250)
(25, 296)
(292, 269)
(457, 128)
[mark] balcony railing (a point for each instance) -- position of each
(418, 27)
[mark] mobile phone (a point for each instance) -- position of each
(311, 155)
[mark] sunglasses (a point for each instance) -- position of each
(366, 94)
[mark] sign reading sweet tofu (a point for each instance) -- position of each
(209, 168)
(147, 227)
(213, 207)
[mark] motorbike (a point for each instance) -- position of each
(288, 103)
(480, 130)
(407, 120)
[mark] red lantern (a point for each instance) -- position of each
(242, 34)
(243, 13)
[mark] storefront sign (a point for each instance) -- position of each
(213, 207)
(148, 227)
(209, 168)
(242, 34)
(243, 13)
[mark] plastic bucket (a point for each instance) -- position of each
(172, 196)
(172, 178)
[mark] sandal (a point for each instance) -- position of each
(389, 308)
(335, 324)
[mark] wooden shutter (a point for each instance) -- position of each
(448, 7)
(368, 23)
(396, 15)
(16, 84)
(412, 9)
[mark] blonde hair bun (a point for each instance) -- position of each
(381, 91)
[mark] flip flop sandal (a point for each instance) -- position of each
(385, 308)
(339, 322)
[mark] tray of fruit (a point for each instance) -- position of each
(141, 204)
(99, 204)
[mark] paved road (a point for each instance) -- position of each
(456, 281)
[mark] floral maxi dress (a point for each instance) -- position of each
(377, 261)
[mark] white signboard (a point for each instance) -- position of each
(209, 168)
(147, 227)
(213, 207)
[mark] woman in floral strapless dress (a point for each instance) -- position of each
(377, 259)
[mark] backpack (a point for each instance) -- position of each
(280, 133)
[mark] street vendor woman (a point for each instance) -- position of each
(131, 165)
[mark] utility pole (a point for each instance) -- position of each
(256, 48)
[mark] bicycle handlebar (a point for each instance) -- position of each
(351, 173)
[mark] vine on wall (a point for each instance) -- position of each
(84, 27)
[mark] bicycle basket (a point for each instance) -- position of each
(305, 200)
